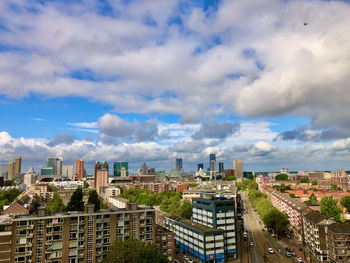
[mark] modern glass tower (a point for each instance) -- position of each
(118, 168)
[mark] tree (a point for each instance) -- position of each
(330, 208)
(8, 196)
(314, 182)
(229, 178)
(76, 202)
(276, 220)
(335, 187)
(304, 180)
(281, 177)
(345, 201)
(186, 209)
(292, 195)
(133, 250)
(86, 185)
(312, 200)
(55, 205)
(94, 199)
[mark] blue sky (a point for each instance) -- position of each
(155, 80)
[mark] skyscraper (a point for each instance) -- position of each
(101, 174)
(200, 166)
(178, 164)
(79, 169)
(117, 171)
(67, 171)
(221, 167)
(14, 167)
(212, 162)
(56, 164)
(238, 166)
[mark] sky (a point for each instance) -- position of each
(266, 82)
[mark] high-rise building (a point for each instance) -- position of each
(238, 166)
(75, 236)
(218, 213)
(178, 164)
(118, 168)
(221, 167)
(79, 169)
(144, 169)
(200, 166)
(14, 167)
(4, 171)
(212, 162)
(56, 164)
(67, 171)
(30, 177)
(101, 174)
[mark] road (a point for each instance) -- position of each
(262, 241)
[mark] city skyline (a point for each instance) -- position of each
(120, 80)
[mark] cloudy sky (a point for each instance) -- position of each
(155, 80)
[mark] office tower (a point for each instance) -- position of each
(4, 171)
(221, 167)
(30, 177)
(118, 168)
(79, 169)
(218, 213)
(238, 166)
(212, 162)
(56, 164)
(178, 164)
(101, 174)
(200, 166)
(73, 237)
(14, 167)
(123, 172)
(67, 171)
(144, 169)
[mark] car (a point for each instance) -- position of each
(293, 253)
(288, 254)
(252, 243)
(270, 250)
(176, 261)
(190, 261)
(300, 260)
(185, 257)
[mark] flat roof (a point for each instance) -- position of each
(195, 225)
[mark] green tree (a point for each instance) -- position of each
(345, 201)
(276, 220)
(86, 185)
(314, 182)
(312, 200)
(229, 178)
(133, 250)
(335, 187)
(292, 195)
(304, 180)
(76, 202)
(8, 196)
(94, 199)
(330, 208)
(55, 205)
(186, 209)
(281, 177)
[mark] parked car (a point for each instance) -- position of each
(288, 254)
(252, 243)
(293, 253)
(300, 260)
(270, 250)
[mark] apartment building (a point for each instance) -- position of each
(314, 235)
(165, 242)
(294, 209)
(203, 243)
(75, 236)
(338, 242)
(219, 213)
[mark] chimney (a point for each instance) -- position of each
(41, 211)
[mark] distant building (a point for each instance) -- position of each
(144, 169)
(30, 177)
(56, 164)
(221, 167)
(178, 164)
(47, 171)
(200, 166)
(229, 172)
(79, 169)
(284, 171)
(14, 167)
(4, 171)
(117, 169)
(67, 171)
(101, 174)
(212, 162)
(238, 167)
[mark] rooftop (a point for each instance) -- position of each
(315, 217)
(195, 225)
(340, 228)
